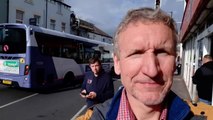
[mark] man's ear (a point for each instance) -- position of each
(116, 64)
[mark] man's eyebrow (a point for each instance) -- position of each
(165, 46)
(135, 50)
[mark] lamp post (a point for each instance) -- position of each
(157, 4)
(171, 13)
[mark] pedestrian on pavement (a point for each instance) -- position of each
(178, 65)
(97, 86)
(144, 56)
(203, 78)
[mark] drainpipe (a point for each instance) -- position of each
(7, 11)
(46, 12)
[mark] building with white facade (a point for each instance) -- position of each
(51, 14)
(197, 37)
(87, 29)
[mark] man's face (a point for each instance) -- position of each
(146, 62)
(204, 61)
(95, 68)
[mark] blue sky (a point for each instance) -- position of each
(106, 14)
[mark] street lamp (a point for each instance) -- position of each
(157, 4)
(171, 13)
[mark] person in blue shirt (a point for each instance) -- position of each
(97, 86)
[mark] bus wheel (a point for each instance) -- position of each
(69, 79)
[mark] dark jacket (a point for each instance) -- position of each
(101, 85)
(203, 78)
(177, 109)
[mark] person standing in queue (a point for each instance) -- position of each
(144, 56)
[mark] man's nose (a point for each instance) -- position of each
(150, 65)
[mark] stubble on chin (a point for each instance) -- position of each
(149, 98)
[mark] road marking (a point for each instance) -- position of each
(79, 112)
(18, 100)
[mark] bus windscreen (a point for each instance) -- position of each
(12, 40)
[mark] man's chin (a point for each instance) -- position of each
(152, 102)
(152, 99)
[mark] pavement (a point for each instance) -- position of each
(201, 110)
(179, 87)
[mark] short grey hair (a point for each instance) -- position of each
(145, 15)
(209, 57)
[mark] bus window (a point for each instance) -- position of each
(70, 50)
(97, 54)
(81, 52)
(89, 52)
(12, 40)
(48, 44)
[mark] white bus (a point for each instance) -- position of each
(35, 57)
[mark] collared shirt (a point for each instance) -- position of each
(125, 112)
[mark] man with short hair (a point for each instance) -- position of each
(97, 85)
(144, 56)
(203, 78)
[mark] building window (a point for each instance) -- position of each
(52, 24)
(63, 26)
(29, 1)
(19, 16)
(52, 1)
(94, 36)
(37, 17)
(59, 8)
